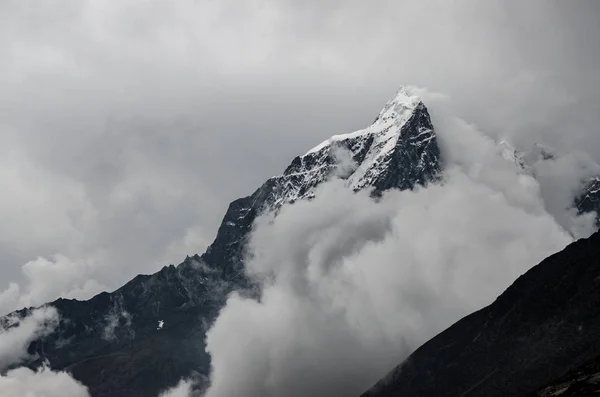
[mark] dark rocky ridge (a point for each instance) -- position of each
(112, 344)
(544, 326)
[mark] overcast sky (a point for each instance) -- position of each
(128, 126)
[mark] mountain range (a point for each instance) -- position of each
(147, 335)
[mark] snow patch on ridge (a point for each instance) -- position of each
(363, 156)
(396, 112)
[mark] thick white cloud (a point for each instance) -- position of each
(351, 286)
(542, 185)
(18, 333)
(47, 279)
(183, 389)
(126, 129)
(23, 382)
(15, 336)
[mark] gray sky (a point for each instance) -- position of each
(128, 127)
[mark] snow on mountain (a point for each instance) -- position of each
(594, 186)
(397, 111)
(400, 146)
(398, 151)
(589, 200)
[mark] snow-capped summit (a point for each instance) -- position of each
(404, 102)
(397, 111)
(398, 150)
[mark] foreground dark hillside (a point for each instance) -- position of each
(543, 327)
(584, 381)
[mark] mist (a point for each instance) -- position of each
(351, 286)
(16, 333)
(127, 128)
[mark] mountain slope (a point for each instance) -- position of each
(544, 326)
(150, 333)
(589, 200)
(584, 381)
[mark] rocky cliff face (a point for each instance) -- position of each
(399, 150)
(150, 333)
(584, 381)
(589, 200)
(543, 327)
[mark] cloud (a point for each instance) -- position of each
(17, 333)
(561, 179)
(351, 287)
(549, 185)
(48, 279)
(23, 382)
(183, 389)
(117, 318)
(155, 115)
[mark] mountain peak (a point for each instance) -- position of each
(397, 111)
(398, 151)
(401, 105)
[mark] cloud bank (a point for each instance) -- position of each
(351, 287)
(15, 336)
(154, 115)
(23, 382)
(49, 278)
